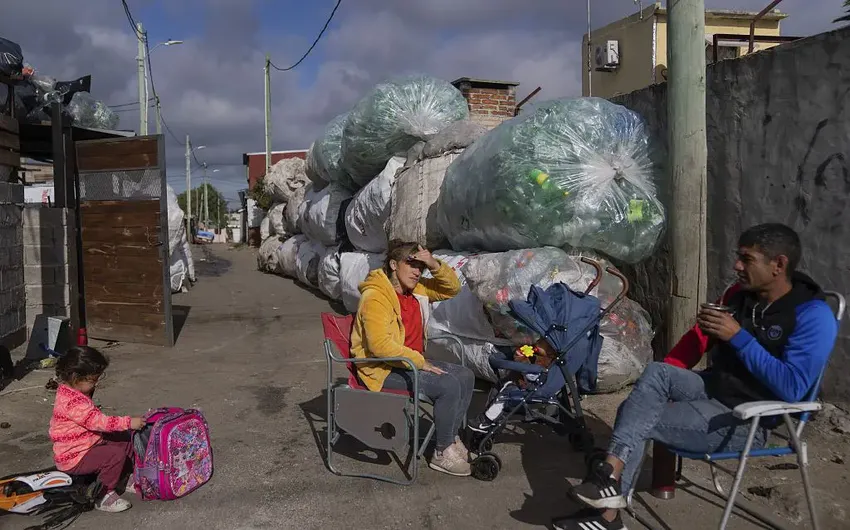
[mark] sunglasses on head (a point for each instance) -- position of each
(413, 262)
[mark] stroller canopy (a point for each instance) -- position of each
(569, 321)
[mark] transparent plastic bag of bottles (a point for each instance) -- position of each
(393, 117)
(574, 172)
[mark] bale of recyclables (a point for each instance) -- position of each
(498, 278)
(284, 178)
(393, 117)
(268, 258)
(324, 158)
(287, 255)
(293, 210)
(329, 276)
(353, 269)
(319, 220)
(573, 172)
(369, 210)
(310, 254)
(277, 226)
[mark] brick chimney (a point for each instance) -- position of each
(490, 102)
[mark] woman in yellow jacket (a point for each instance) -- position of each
(391, 320)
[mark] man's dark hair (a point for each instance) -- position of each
(774, 240)
(80, 362)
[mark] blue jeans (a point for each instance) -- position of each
(669, 405)
(451, 393)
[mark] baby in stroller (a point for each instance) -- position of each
(544, 379)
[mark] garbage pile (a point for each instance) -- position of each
(36, 92)
(506, 208)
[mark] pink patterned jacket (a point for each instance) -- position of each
(76, 426)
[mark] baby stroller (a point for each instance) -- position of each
(569, 323)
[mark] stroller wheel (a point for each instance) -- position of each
(475, 444)
(486, 467)
(581, 440)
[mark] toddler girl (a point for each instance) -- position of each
(86, 441)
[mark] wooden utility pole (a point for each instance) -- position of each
(686, 124)
(686, 120)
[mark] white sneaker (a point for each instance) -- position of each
(450, 462)
(112, 503)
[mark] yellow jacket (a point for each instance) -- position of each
(378, 331)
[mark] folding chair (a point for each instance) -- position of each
(755, 411)
(379, 420)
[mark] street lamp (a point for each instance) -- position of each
(141, 58)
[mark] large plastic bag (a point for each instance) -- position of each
(292, 211)
(310, 253)
(573, 172)
(459, 324)
(268, 258)
(284, 178)
(457, 136)
(276, 222)
(353, 269)
(265, 228)
(370, 208)
(498, 278)
(287, 255)
(329, 281)
(391, 118)
(87, 111)
(312, 171)
(181, 266)
(319, 221)
(413, 210)
(324, 160)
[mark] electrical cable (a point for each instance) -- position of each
(310, 49)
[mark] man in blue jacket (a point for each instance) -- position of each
(772, 345)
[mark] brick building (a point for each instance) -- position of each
(490, 102)
(255, 163)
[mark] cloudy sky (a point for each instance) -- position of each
(211, 87)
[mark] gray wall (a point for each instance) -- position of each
(49, 262)
(778, 131)
(12, 312)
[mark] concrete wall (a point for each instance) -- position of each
(49, 263)
(778, 132)
(12, 298)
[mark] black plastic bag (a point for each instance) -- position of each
(11, 58)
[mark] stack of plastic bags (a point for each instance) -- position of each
(574, 172)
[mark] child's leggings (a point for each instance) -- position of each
(108, 459)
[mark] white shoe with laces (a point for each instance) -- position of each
(112, 503)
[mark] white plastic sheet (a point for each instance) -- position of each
(369, 209)
(319, 221)
(310, 253)
(181, 266)
(353, 269)
(329, 280)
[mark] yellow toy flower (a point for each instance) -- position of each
(527, 350)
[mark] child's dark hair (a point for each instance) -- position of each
(398, 250)
(80, 362)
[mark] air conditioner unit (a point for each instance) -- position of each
(608, 55)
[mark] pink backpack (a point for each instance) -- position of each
(173, 456)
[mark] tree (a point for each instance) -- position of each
(845, 18)
(216, 206)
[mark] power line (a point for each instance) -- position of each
(126, 104)
(312, 45)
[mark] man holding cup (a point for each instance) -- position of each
(770, 336)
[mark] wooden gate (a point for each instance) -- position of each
(124, 227)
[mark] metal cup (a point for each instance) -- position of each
(716, 307)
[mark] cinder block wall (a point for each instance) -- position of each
(778, 135)
(49, 263)
(12, 296)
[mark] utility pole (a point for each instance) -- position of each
(188, 189)
(268, 104)
(158, 116)
(143, 103)
(688, 157)
(206, 199)
(589, 55)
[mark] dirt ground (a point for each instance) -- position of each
(250, 356)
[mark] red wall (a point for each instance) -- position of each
(257, 163)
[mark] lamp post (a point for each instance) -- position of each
(141, 59)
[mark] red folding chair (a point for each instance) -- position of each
(380, 420)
